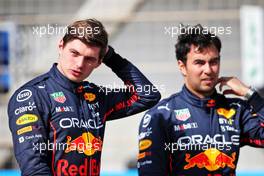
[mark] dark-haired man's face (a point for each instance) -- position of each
(77, 60)
(201, 70)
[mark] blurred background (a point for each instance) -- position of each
(144, 32)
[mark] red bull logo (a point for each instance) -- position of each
(211, 159)
(210, 103)
(86, 143)
(89, 167)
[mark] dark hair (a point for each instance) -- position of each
(197, 36)
(90, 32)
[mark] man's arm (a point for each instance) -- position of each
(252, 119)
(154, 154)
(139, 95)
(253, 122)
(29, 132)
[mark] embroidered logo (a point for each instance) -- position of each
(182, 114)
(89, 96)
(58, 96)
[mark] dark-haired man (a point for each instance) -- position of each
(199, 131)
(58, 120)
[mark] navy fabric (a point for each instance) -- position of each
(185, 135)
(58, 126)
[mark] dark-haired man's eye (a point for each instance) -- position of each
(199, 62)
(74, 54)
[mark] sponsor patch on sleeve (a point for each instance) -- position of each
(144, 144)
(24, 130)
(26, 118)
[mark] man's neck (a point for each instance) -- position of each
(200, 95)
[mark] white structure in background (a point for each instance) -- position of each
(251, 18)
(110, 12)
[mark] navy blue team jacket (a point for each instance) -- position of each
(58, 125)
(186, 136)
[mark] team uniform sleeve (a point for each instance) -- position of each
(26, 114)
(139, 95)
(154, 157)
(253, 122)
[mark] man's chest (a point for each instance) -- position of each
(204, 125)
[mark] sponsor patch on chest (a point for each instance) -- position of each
(182, 114)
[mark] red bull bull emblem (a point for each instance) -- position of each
(86, 143)
(79, 89)
(210, 103)
(211, 159)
